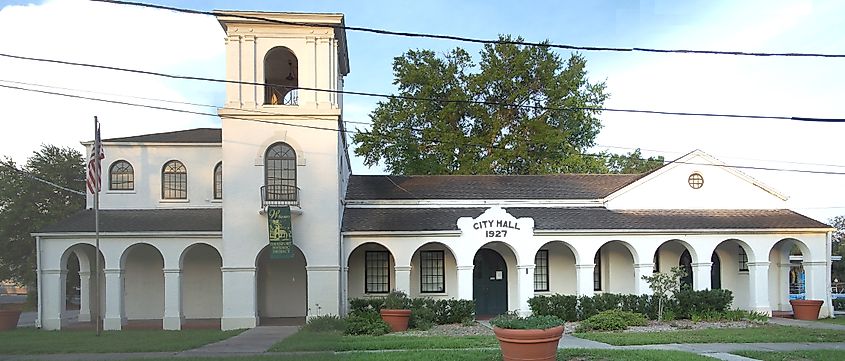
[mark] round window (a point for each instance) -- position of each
(695, 181)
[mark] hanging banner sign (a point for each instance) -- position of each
(281, 235)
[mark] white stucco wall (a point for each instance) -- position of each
(561, 269)
(202, 283)
(143, 283)
(147, 161)
(668, 188)
(617, 269)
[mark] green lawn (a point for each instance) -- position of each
(465, 355)
(813, 355)
(839, 320)
(34, 341)
(767, 333)
(336, 341)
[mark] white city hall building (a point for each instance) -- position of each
(184, 228)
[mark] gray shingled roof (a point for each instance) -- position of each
(141, 220)
(444, 219)
(198, 135)
(556, 186)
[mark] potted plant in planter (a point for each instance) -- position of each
(527, 338)
(806, 309)
(9, 316)
(396, 311)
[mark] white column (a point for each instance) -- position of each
(248, 69)
(584, 279)
(641, 287)
(701, 275)
(403, 279)
(53, 301)
(233, 71)
(465, 282)
(239, 298)
(172, 299)
(84, 296)
(783, 286)
(323, 286)
(114, 317)
(758, 277)
(816, 285)
(525, 285)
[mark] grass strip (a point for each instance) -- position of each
(805, 355)
(35, 341)
(766, 333)
(336, 341)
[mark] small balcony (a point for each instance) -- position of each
(279, 95)
(279, 195)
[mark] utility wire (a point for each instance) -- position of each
(474, 40)
(412, 98)
(387, 136)
(364, 123)
(34, 177)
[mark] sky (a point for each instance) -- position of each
(162, 41)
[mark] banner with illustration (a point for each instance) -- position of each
(281, 235)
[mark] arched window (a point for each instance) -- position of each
(686, 263)
(121, 176)
(280, 174)
(218, 181)
(281, 76)
(174, 180)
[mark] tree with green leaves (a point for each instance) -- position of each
(532, 112)
(27, 205)
(838, 244)
(632, 163)
(663, 285)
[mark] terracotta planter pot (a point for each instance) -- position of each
(397, 319)
(524, 345)
(9, 319)
(806, 309)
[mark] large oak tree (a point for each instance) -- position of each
(518, 110)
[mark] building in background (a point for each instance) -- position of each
(186, 216)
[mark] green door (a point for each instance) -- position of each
(489, 283)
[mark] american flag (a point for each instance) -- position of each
(94, 167)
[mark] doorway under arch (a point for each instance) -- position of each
(282, 288)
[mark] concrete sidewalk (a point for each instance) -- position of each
(805, 324)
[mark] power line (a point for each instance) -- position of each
(412, 98)
(386, 135)
(356, 122)
(476, 40)
(34, 177)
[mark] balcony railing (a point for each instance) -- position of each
(279, 195)
(278, 96)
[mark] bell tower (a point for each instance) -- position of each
(283, 146)
(290, 53)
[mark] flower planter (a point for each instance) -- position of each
(9, 319)
(531, 344)
(396, 319)
(806, 309)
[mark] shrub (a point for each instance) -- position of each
(396, 300)
(612, 320)
(365, 304)
(366, 323)
(586, 307)
(514, 321)
(701, 302)
(441, 312)
(562, 306)
(325, 323)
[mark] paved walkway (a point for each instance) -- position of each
(806, 324)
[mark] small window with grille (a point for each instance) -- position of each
(597, 272)
(743, 259)
(174, 180)
(377, 272)
(121, 176)
(432, 272)
(541, 271)
(218, 181)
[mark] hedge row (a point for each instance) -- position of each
(684, 304)
(424, 311)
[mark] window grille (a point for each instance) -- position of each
(377, 272)
(597, 272)
(218, 181)
(174, 181)
(121, 176)
(280, 173)
(432, 272)
(541, 270)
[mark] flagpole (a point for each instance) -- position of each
(97, 230)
